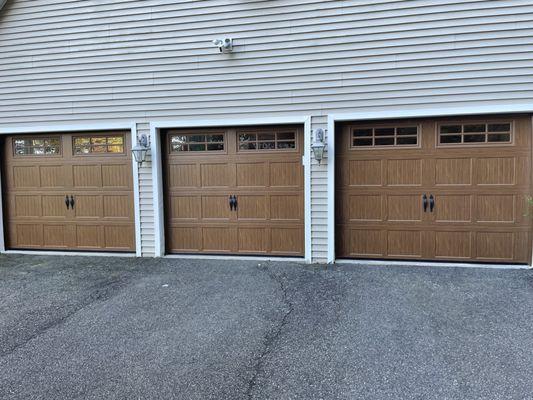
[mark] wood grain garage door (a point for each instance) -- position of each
(234, 191)
(436, 189)
(69, 192)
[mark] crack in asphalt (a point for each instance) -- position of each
(100, 292)
(272, 336)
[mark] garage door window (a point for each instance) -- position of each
(98, 145)
(475, 133)
(194, 142)
(385, 136)
(47, 146)
(257, 141)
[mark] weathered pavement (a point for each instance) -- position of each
(119, 328)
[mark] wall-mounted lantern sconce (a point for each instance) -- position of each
(319, 144)
(141, 149)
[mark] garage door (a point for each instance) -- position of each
(69, 192)
(446, 189)
(234, 191)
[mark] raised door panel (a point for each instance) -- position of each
(185, 208)
(89, 237)
(253, 240)
(119, 237)
(116, 176)
(117, 207)
(182, 176)
(453, 172)
(495, 208)
(495, 171)
(286, 207)
(405, 244)
(87, 176)
(252, 208)
(252, 175)
(404, 208)
(218, 239)
(287, 240)
(495, 246)
(453, 245)
(185, 239)
(216, 208)
(453, 208)
(365, 173)
(217, 175)
(286, 174)
(404, 172)
(88, 206)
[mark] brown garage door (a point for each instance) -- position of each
(90, 170)
(237, 191)
(442, 189)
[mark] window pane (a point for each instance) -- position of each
(286, 136)
(474, 138)
(248, 146)
(82, 150)
(115, 140)
(450, 129)
(98, 140)
(82, 141)
(362, 132)
(215, 146)
(474, 128)
(266, 136)
(384, 132)
(406, 140)
(362, 142)
(407, 130)
(98, 149)
(180, 147)
(115, 148)
(247, 137)
(450, 139)
(215, 138)
(502, 137)
(196, 138)
(197, 147)
(385, 141)
(499, 128)
(286, 145)
(266, 145)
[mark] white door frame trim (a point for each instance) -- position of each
(40, 129)
(397, 114)
(157, 174)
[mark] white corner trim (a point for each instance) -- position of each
(136, 194)
(157, 179)
(157, 175)
(307, 190)
(35, 129)
(395, 114)
(331, 189)
(2, 227)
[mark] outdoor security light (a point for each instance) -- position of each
(319, 145)
(140, 151)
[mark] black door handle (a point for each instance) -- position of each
(235, 203)
(72, 202)
(431, 203)
(231, 202)
(67, 203)
(425, 202)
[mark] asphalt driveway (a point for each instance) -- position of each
(117, 328)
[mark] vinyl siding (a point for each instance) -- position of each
(76, 62)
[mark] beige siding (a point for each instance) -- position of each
(146, 200)
(77, 62)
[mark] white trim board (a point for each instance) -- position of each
(235, 258)
(129, 126)
(157, 174)
(397, 114)
(136, 194)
